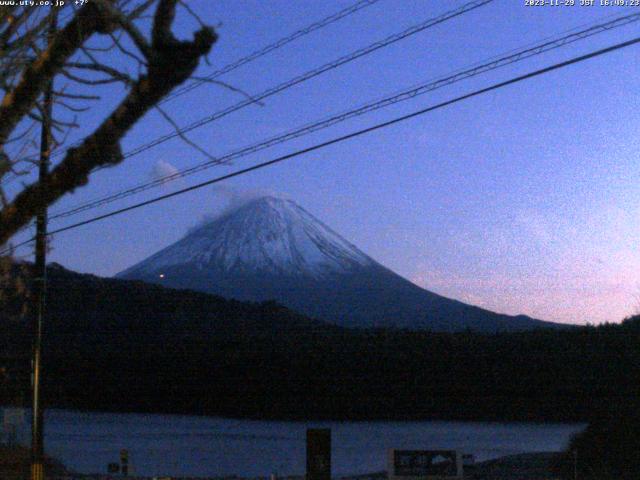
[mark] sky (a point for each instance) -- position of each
(522, 200)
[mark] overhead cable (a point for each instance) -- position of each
(407, 94)
(342, 138)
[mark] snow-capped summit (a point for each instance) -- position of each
(268, 235)
(273, 249)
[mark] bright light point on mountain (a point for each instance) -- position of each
(270, 248)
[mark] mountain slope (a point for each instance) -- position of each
(80, 304)
(272, 248)
(267, 236)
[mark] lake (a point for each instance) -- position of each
(209, 446)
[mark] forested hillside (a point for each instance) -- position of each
(122, 345)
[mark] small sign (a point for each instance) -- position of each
(425, 464)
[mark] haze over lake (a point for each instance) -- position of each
(206, 446)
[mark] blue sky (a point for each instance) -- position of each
(523, 200)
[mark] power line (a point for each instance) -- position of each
(479, 68)
(313, 73)
(343, 138)
(271, 47)
(333, 18)
(304, 77)
(310, 74)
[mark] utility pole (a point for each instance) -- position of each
(40, 280)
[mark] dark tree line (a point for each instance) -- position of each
(115, 344)
(119, 345)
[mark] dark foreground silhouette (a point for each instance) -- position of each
(608, 449)
(120, 345)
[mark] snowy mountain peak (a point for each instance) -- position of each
(273, 249)
(268, 235)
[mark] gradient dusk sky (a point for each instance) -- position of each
(523, 200)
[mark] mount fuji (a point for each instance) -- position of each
(273, 249)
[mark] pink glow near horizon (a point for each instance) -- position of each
(577, 275)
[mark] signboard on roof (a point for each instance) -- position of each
(424, 464)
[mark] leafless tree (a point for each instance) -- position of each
(87, 50)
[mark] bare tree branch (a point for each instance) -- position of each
(183, 136)
(171, 63)
(17, 103)
(75, 96)
(125, 50)
(139, 10)
(129, 27)
(87, 81)
(228, 86)
(99, 67)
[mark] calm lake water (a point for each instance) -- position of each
(209, 446)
